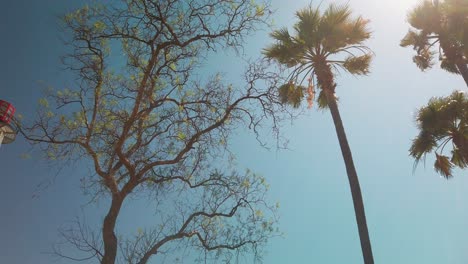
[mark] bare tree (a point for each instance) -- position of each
(147, 124)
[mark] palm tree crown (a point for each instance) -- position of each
(320, 42)
(440, 23)
(321, 45)
(441, 121)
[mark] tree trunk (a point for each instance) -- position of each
(108, 235)
(352, 177)
(463, 69)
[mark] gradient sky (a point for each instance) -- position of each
(413, 217)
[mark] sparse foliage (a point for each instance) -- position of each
(142, 118)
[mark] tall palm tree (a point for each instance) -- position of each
(441, 121)
(444, 24)
(323, 43)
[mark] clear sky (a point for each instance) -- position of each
(413, 217)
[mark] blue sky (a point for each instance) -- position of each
(413, 217)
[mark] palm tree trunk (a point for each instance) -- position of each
(463, 69)
(353, 179)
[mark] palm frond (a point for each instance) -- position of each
(449, 66)
(335, 15)
(332, 25)
(358, 64)
(322, 101)
(456, 15)
(357, 31)
(432, 120)
(458, 158)
(307, 26)
(424, 60)
(291, 94)
(282, 35)
(424, 143)
(443, 166)
(425, 16)
(287, 54)
(442, 114)
(416, 39)
(341, 31)
(441, 121)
